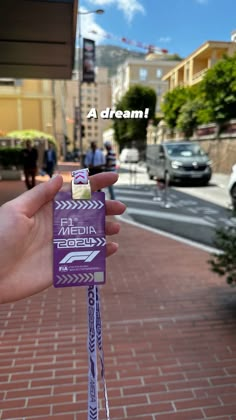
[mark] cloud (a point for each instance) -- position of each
(88, 26)
(128, 7)
(165, 39)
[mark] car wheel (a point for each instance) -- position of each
(233, 195)
(205, 182)
(149, 175)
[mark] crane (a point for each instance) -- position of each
(148, 47)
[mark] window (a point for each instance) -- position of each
(159, 73)
(143, 73)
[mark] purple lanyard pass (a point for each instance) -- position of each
(79, 254)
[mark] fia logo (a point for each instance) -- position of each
(63, 268)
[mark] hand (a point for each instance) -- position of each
(26, 237)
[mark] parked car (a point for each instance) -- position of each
(129, 155)
(232, 186)
(178, 161)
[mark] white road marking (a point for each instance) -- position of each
(169, 216)
(171, 236)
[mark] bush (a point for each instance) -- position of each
(11, 157)
(32, 135)
(224, 263)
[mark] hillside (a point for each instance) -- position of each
(111, 56)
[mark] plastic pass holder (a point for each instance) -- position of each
(79, 243)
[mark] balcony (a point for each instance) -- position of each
(197, 77)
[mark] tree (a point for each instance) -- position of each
(128, 130)
(188, 118)
(173, 102)
(218, 89)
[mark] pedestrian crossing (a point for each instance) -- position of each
(143, 201)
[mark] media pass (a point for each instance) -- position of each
(79, 242)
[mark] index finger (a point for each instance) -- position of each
(102, 180)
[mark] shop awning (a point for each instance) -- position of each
(37, 38)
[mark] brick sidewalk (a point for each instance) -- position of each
(169, 340)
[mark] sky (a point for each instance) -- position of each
(180, 26)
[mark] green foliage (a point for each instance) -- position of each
(10, 157)
(174, 57)
(128, 130)
(173, 103)
(188, 118)
(224, 264)
(213, 100)
(32, 135)
(218, 89)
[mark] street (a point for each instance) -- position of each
(191, 212)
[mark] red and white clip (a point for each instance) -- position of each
(80, 185)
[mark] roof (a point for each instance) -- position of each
(37, 38)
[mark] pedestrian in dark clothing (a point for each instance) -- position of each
(110, 165)
(50, 160)
(30, 157)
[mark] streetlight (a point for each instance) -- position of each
(98, 12)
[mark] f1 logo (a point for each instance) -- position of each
(85, 256)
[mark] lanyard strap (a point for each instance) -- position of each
(100, 350)
(92, 352)
(94, 341)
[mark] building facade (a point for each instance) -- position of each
(192, 69)
(93, 95)
(147, 72)
(26, 104)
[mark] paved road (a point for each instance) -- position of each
(190, 212)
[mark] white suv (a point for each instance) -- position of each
(232, 186)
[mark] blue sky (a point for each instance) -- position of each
(180, 26)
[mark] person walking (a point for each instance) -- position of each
(94, 159)
(110, 165)
(30, 158)
(50, 160)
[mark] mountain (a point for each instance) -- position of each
(111, 56)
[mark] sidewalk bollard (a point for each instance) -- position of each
(133, 173)
(161, 191)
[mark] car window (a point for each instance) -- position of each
(184, 150)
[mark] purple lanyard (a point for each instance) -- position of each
(94, 343)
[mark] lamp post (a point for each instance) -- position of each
(98, 12)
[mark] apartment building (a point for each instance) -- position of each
(148, 72)
(26, 104)
(192, 69)
(93, 95)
